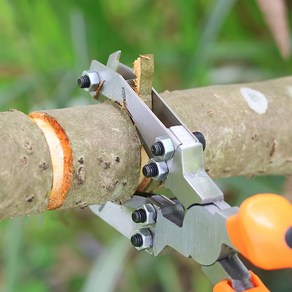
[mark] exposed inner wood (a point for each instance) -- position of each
(61, 156)
(144, 182)
(144, 70)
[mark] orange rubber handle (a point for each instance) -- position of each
(226, 285)
(262, 231)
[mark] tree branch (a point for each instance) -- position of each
(240, 141)
(105, 162)
(86, 155)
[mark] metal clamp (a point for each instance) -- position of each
(194, 223)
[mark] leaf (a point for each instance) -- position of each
(276, 16)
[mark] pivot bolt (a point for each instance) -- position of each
(83, 81)
(150, 170)
(139, 216)
(157, 149)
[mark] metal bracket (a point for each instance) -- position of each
(199, 231)
(186, 178)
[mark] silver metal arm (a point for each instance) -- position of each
(194, 224)
(183, 169)
(197, 232)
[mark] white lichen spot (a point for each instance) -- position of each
(227, 131)
(256, 100)
(289, 91)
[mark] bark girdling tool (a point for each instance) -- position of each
(198, 223)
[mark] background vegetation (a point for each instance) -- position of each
(44, 46)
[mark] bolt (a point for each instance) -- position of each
(83, 81)
(150, 170)
(137, 240)
(201, 138)
(139, 216)
(162, 148)
(157, 149)
(142, 239)
(145, 214)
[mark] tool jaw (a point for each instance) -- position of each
(197, 232)
(202, 234)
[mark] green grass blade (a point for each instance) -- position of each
(107, 268)
(210, 33)
(12, 246)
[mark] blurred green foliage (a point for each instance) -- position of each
(45, 45)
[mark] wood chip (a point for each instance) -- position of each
(143, 70)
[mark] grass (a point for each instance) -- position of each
(45, 45)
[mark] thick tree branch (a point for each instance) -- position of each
(247, 132)
(105, 162)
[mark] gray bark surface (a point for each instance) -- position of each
(239, 140)
(25, 166)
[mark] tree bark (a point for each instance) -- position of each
(102, 164)
(246, 127)
(25, 166)
(246, 133)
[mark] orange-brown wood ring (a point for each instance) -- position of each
(61, 156)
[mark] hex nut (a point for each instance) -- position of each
(168, 148)
(94, 80)
(162, 169)
(147, 240)
(150, 212)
